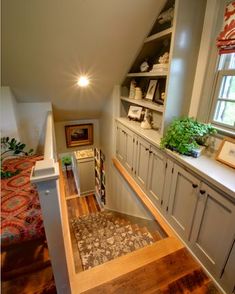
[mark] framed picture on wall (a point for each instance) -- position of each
(79, 135)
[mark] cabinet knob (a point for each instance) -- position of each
(146, 149)
(202, 192)
(150, 152)
(194, 186)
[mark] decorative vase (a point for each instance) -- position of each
(138, 93)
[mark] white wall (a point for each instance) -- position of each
(61, 139)
(9, 117)
(207, 59)
(32, 119)
(119, 195)
(23, 121)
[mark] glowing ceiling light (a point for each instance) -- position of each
(83, 81)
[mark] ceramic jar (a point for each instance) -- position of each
(138, 93)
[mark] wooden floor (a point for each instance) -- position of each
(70, 185)
(148, 270)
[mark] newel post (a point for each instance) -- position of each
(45, 175)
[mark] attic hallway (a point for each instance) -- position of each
(164, 266)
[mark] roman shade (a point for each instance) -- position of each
(226, 38)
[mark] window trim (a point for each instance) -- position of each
(215, 96)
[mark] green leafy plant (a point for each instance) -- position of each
(11, 147)
(185, 135)
(67, 160)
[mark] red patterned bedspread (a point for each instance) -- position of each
(21, 218)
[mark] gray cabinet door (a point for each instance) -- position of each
(142, 162)
(130, 150)
(228, 275)
(156, 176)
(86, 172)
(183, 201)
(120, 143)
(214, 229)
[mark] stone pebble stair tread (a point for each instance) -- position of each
(103, 230)
(90, 228)
(115, 246)
(114, 237)
(89, 225)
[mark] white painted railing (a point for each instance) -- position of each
(50, 145)
(45, 175)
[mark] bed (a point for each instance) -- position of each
(24, 252)
(21, 218)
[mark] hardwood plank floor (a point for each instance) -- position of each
(70, 184)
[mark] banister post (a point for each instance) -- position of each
(45, 175)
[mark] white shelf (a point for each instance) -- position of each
(148, 74)
(145, 103)
(153, 136)
(158, 35)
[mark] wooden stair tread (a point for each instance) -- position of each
(125, 264)
(179, 267)
(156, 236)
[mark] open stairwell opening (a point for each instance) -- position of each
(119, 253)
(99, 235)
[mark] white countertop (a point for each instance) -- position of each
(218, 174)
(82, 154)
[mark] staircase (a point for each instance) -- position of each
(104, 236)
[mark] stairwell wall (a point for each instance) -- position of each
(119, 196)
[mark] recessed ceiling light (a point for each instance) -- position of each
(83, 81)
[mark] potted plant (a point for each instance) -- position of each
(11, 147)
(66, 161)
(184, 135)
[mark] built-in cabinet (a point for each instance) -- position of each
(183, 201)
(142, 160)
(156, 176)
(200, 214)
(213, 229)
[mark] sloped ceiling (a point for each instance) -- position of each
(46, 44)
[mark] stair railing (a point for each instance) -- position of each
(45, 175)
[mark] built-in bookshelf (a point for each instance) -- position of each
(99, 176)
(167, 59)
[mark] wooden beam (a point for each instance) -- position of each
(144, 198)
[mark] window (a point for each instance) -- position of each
(223, 106)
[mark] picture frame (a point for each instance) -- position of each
(135, 112)
(79, 135)
(226, 152)
(151, 89)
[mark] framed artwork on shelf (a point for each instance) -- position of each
(151, 90)
(79, 135)
(135, 112)
(226, 152)
(160, 94)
